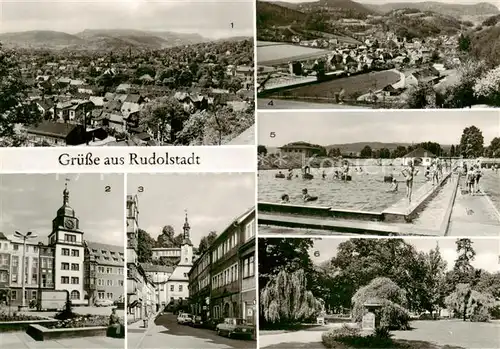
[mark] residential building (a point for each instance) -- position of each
(104, 272)
(222, 280)
(418, 157)
(141, 291)
(51, 133)
(4, 261)
(159, 275)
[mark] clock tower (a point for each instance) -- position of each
(67, 238)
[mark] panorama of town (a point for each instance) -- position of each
(125, 88)
(347, 54)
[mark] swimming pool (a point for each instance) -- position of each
(367, 190)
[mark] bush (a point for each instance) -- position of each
(495, 312)
(345, 337)
(392, 314)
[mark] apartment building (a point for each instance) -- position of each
(222, 280)
(104, 272)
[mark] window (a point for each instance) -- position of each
(180, 288)
(49, 263)
(100, 295)
(250, 230)
(65, 251)
(13, 295)
(120, 282)
(109, 282)
(109, 270)
(69, 238)
(75, 253)
(251, 271)
(110, 295)
(171, 288)
(64, 279)
(16, 247)
(44, 263)
(75, 266)
(75, 280)
(64, 266)
(75, 294)
(3, 276)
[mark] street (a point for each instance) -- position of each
(165, 332)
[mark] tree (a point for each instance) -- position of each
(465, 271)
(472, 142)
(164, 117)
(262, 150)
(15, 106)
(434, 280)
(366, 152)
(145, 243)
(385, 153)
(276, 254)
(494, 148)
(286, 300)
(452, 151)
(166, 238)
(206, 242)
(464, 43)
(399, 152)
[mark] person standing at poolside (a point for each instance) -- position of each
(409, 172)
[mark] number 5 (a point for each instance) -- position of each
(272, 134)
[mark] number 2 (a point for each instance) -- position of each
(107, 189)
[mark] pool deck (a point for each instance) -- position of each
(344, 226)
(403, 211)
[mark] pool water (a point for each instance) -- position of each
(490, 183)
(366, 192)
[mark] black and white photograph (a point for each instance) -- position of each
(378, 54)
(379, 293)
(379, 173)
(191, 261)
(62, 261)
(127, 73)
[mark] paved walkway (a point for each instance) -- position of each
(20, 340)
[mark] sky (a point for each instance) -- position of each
(487, 250)
(324, 128)
(210, 18)
(212, 200)
(29, 202)
(377, 2)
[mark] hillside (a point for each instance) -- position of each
(485, 44)
(345, 8)
(95, 39)
(447, 9)
(40, 38)
(272, 14)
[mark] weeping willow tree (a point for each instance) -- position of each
(286, 300)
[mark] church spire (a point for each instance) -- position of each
(186, 226)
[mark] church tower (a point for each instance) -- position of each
(187, 245)
(67, 238)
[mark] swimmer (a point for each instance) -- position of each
(394, 186)
(409, 173)
(285, 199)
(306, 197)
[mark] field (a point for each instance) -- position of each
(358, 84)
(272, 54)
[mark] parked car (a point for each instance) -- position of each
(184, 319)
(197, 321)
(212, 323)
(233, 327)
(103, 303)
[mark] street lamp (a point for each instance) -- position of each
(28, 235)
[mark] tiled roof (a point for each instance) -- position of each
(106, 254)
(53, 129)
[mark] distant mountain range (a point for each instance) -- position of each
(447, 9)
(356, 8)
(97, 39)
